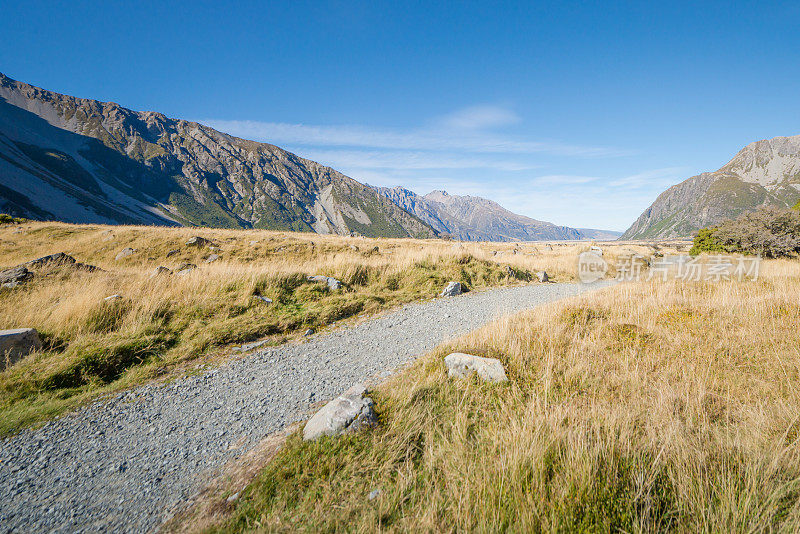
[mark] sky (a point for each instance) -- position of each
(578, 113)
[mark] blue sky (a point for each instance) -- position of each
(575, 113)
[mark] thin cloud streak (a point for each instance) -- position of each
(651, 178)
(431, 139)
(479, 118)
(368, 159)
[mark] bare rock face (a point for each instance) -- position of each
(451, 290)
(16, 344)
(350, 412)
(462, 365)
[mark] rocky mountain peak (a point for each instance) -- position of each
(473, 218)
(763, 173)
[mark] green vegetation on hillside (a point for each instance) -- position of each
(208, 214)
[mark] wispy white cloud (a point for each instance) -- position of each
(650, 179)
(387, 159)
(468, 130)
(563, 179)
(479, 118)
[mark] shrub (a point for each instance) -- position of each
(768, 232)
(8, 219)
(706, 241)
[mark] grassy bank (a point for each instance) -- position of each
(646, 407)
(164, 325)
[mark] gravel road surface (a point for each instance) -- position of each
(120, 464)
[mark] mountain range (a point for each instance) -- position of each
(81, 160)
(470, 218)
(764, 173)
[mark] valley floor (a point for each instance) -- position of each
(123, 464)
(157, 307)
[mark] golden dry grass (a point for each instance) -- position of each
(647, 407)
(164, 325)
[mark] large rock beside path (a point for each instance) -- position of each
(16, 344)
(462, 365)
(451, 290)
(349, 412)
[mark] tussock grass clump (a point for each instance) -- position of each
(662, 406)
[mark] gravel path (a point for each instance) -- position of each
(121, 464)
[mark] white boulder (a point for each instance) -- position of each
(349, 412)
(462, 365)
(451, 290)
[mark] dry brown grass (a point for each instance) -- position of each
(645, 407)
(164, 325)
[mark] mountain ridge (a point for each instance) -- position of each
(81, 160)
(763, 173)
(472, 218)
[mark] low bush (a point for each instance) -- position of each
(768, 232)
(8, 219)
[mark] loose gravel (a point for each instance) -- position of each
(121, 464)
